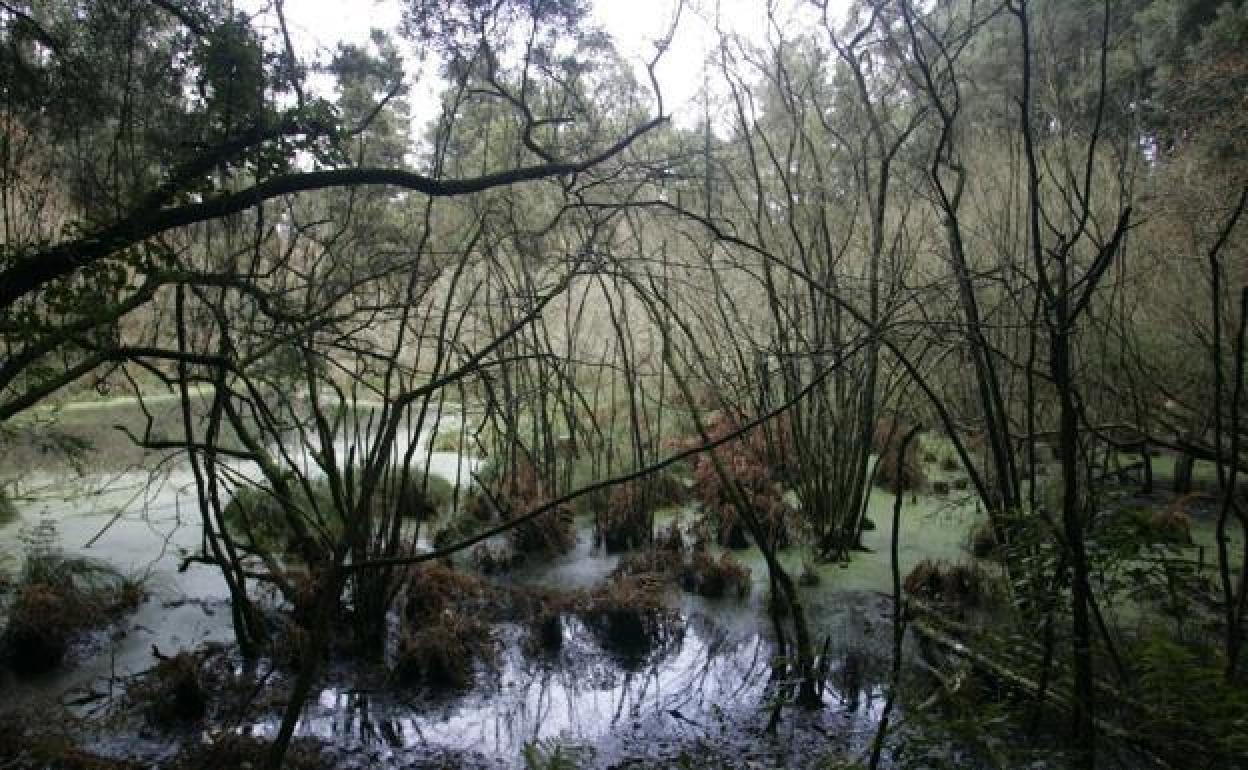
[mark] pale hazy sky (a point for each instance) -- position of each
(633, 24)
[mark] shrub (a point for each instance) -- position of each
(752, 465)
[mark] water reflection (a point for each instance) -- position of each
(706, 684)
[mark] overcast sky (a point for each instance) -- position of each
(633, 24)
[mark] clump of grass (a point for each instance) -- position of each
(549, 755)
(448, 441)
(442, 634)
(58, 598)
(259, 520)
(954, 584)
(628, 617)
(810, 574)
(516, 489)
(546, 631)
(714, 578)
(650, 561)
(553, 532)
(418, 496)
(699, 572)
(624, 522)
(887, 434)
(456, 527)
(443, 653)
(174, 691)
(670, 540)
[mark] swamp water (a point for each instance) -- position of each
(706, 691)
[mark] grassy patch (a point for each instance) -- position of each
(58, 598)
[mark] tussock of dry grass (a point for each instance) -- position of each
(58, 598)
(938, 581)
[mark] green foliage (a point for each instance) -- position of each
(1188, 696)
(261, 521)
(256, 516)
